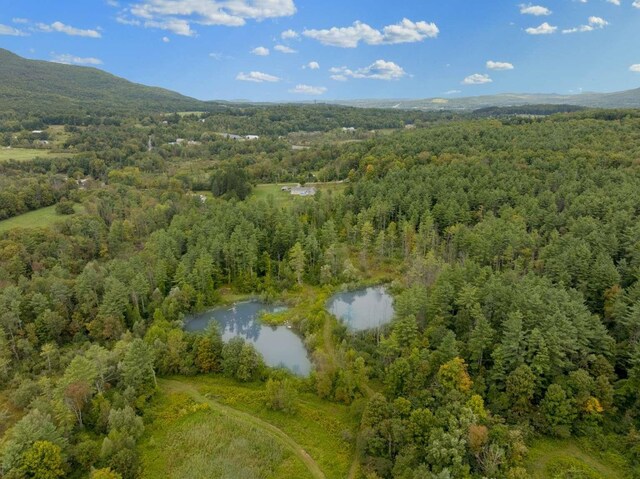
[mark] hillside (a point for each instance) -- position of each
(53, 88)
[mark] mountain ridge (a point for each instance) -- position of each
(40, 86)
(37, 85)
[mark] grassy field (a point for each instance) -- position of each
(568, 459)
(42, 218)
(26, 154)
(201, 423)
(284, 198)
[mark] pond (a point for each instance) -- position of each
(363, 309)
(279, 346)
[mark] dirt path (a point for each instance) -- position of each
(278, 434)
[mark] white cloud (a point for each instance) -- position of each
(284, 49)
(615, 2)
(409, 32)
(14, 32)
(636, 3)
(598, 22)
(166, 39)
(177, 26)
(20, 20)
(233, 13)
(308, 90)
(536, 10)
(289, 35)
(477, 79)
(59, 27)
(312, 66)
(69, 59)
(349, 37)
(544, 29)
(595, 23)
(128, 21)
(257, 77)
(260, 51)
(491, 65)
(452, 92)
(635, 68)
(378, 70)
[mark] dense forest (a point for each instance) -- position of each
(511, 245)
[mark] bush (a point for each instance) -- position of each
(65, 207)
(281, 395)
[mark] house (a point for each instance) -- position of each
(348, 129)
(37, 132)
(252, 137)
(83, 183)
(303, 191)
(229, 136)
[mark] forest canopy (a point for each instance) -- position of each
(511, 246)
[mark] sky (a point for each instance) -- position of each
(288, 50)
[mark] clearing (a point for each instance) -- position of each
(204, 421)
(285, 198)
(26, 154)
(560, 459)
(41, 218)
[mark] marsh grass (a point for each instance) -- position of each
(188, 440)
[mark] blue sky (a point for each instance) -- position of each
(272, 50)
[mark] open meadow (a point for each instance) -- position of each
(216, 427)
(567, 459)
(26, 154)
(41, 218)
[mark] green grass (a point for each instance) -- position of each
(187, 440)
(42, 218)
(284, 198)
(26, 154)
(318, 428)
(570, 459)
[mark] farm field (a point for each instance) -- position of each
(195, 424)
(26, 154)
(42, 218)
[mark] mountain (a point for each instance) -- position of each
(35, 86)
(624, 99)
(53, 88)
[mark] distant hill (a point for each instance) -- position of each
(624, 99)
(53, 88)
(35, 86)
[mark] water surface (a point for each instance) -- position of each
(362, 309)
(279, 346)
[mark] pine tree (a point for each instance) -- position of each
(298, 261)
